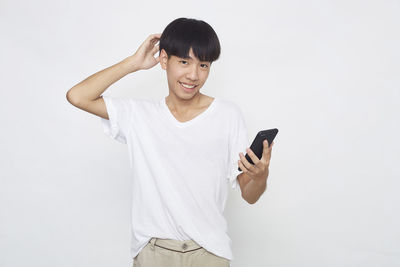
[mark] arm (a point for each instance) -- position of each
(86, 95)
(251, 189)
(92, 87)
(253, 179)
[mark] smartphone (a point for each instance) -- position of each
(257, 145)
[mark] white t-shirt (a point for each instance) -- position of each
(181, 170)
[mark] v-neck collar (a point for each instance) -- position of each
(172, 118)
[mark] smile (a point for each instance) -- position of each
(187, 86)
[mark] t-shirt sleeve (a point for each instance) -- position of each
(119, 113)
(238, 142)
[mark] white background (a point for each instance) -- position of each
(325, 73)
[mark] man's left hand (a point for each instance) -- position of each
(260, 169)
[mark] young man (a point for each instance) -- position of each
(183, 148)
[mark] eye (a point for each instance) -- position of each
(184, 61)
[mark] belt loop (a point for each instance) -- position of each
(153, 242)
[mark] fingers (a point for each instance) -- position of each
(242, 167)
(252, 155)
(248, 166)
(265, 147)
(266, 155)
(155, 49)
(154, 37)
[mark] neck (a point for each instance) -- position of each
(182, 105)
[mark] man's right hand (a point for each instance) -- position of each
(143, 58)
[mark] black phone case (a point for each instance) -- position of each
(257, 145)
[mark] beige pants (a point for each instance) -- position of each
(174, 253)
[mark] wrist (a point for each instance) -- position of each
(260, 182)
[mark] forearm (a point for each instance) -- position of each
(253, 190)
(92, 87)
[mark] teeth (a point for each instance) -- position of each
(188, 86)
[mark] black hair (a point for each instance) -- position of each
(184, 33)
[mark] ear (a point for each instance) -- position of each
(163, 59)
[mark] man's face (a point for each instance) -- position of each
(189, 71)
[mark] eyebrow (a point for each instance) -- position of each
(189, 57)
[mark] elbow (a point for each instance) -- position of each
(71, 99)
(68, 96)
(249, 201)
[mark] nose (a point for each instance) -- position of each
(193, 74)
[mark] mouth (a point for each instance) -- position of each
(188, 87)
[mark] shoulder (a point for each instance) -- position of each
(229, 106)
(140, 102)
(132, 104)
(145, 101)
(232, 111)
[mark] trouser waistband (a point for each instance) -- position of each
(175, 245)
